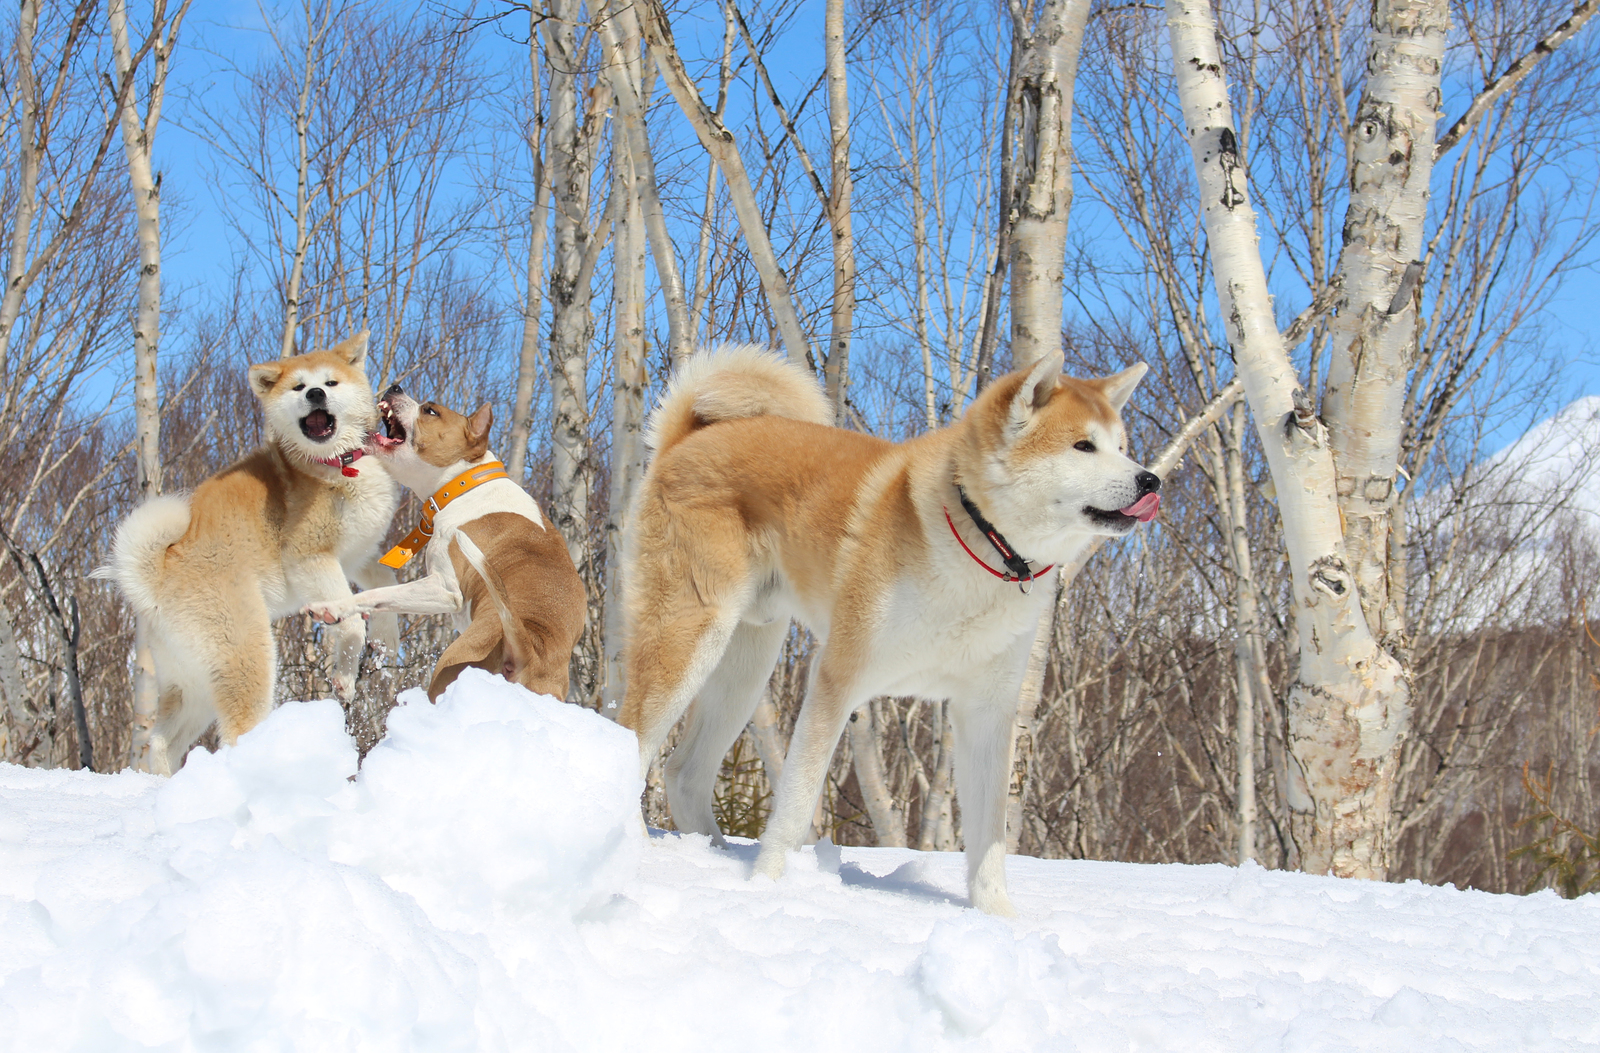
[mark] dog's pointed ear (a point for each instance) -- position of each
(478, 429)
(264, 377)
(479, 423)
(353, 350)
(1119, 387)
(1037, 387)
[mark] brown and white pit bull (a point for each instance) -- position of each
(493, 561)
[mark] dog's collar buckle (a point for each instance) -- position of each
(1017, 568)
(344, 462)
(415, 541)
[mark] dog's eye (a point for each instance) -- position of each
(1085, 445)
(430, 411)
(299, 387)
(330, 383)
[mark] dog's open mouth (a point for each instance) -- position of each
(1142, 511)
(393, 435)
(319, 425)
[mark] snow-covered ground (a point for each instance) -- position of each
(483, 883)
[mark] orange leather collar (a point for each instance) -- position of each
(413, 542)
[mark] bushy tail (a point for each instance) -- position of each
(140, 549)
(729, 383)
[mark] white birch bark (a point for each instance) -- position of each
(1043, 174)
(1041, 202)
(1349, 700)
(138, 140)
(1247, 637)
(836, 366)
(570, 293)
(303, 226)
(627, 407)
(720, 143)
(538, 242)
(866, 753)
(1373, 334)
(627, 83)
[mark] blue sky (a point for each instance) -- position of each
(222, 33)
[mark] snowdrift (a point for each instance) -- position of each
(484, 883)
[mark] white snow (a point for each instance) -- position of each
(484, 883)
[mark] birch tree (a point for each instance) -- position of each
(138, 141)
(538, 232)
(1336, 472)
(723, 147)
(1041, 200)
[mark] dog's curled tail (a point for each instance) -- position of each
(730, 383)
(140, 549)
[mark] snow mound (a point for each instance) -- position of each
(281, 899)
(483, 883)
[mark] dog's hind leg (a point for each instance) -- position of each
(833, 695)
(668, 662)
(244, 664)
(719, 713)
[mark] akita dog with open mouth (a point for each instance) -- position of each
(296, 520)
(493, 561)
(922, 568)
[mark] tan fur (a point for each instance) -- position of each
(522, 613)
(253, 543)
(744, 521)
(528, 605)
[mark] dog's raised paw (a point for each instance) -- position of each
(327, 613)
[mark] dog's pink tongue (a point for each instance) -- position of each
(1145, 508)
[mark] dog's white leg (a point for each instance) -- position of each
(832, 697)
(718, 714)
(983, 775)
(384, 627)
(321, 578)
(433, 594)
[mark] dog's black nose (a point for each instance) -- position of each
(316, 396)
(1147, 482)
(393, 389)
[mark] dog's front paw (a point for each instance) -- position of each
(344, 687)
(328, 612)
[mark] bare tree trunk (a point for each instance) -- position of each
(936, 832)
(1349, 701)
(888, 823)
(1373, 343)
(627, 81)
(10, 682)
(1247, 630)
(138, 141)
(720, 143)
(1043, 195)
(303, 225)
(1041, 202)
(538, 240)
(835, 369)
(569, 288)
(627, 406)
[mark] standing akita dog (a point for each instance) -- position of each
(296, 520)
(754, 511)
(493, 562)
